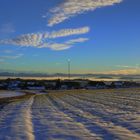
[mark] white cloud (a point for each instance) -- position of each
(24, 40)
(72, 8)
(66, 32)
(41, 40)
(59, 46)
(63, 46)
(78, 40)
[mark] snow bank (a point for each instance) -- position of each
(4, 94)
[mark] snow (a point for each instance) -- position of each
(15, 120)
(74, 115)
(4, 94)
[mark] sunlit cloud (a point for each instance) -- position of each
(67, 32)
(122, 66)
(71, 8)
(128, 66)
(59, 46)
(124, 71)
(63, 46)
(42, 40)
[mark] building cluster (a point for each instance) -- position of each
(20, 84)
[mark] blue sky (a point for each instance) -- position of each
(40, 35)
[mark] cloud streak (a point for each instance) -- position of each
(11, 57)
(77, 40)
(71, 8)
(63, 46)
(42, 40)
(67, 32)
(7, 28)
(125, 71)
(129, 67)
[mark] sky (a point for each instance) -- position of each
(97, 36)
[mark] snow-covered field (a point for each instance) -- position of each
(73, 115)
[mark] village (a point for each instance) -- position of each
(20, 84)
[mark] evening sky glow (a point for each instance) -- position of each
(98, 36)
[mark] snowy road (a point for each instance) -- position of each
(73, 115)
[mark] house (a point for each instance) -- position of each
(14, 85)
(96, 85)
(36, 87)
(117, 84)
(131, 84)
(30, 83)
(52, 83)
(64, 87)
(70, 84)
(91, 87)
(82, 83)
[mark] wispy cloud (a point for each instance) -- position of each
(63, 46)
(67, 32)
(41, 40)
(7, 51)
(11, 57)
(56, 46)
(70, 8)
(78, 40)
(7, 28)
(126, 71)
(123, 66)
(128, 66)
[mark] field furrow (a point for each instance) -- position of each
(94, 123)
(51, 123)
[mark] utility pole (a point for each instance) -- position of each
(69, 62)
